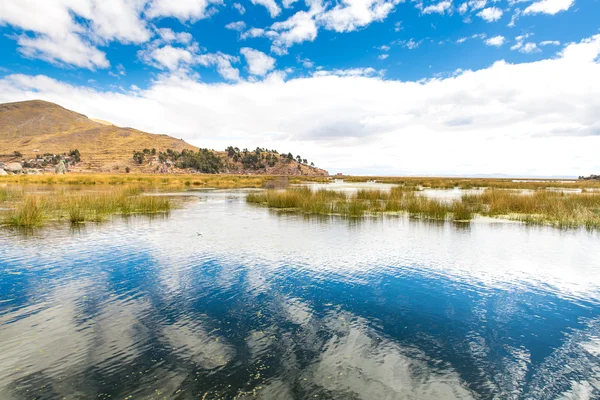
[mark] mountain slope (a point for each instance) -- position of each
(34, 128)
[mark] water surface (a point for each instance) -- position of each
(228, 300)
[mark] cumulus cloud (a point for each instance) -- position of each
(490, 14)
(258, 62)
(54, 31)
(496, 41)
(549, 7)
(270, 5)
(439, 8)
(350, 15)
(345, 16)
(545, 125)
(236, 26)
(240, 8)
(383, 56)
(184, 10)
(524, 47)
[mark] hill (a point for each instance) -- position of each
(38, 130)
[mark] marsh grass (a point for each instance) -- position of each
(171, 181)
(540, 207)
(565, 210)
(78, 206)
(471, 183)
(330, 202)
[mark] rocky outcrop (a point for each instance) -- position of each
(13, 167)
(3, 172)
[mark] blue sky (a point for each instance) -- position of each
(113, 59)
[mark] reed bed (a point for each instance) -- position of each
(566, 210)
(470, 183)
(155, 180)
(541, 207)
(35, 209)
(329, 202)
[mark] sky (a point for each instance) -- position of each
(369, 87)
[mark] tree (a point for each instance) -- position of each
(139, 157)
(127, 169)
(290, 156)
(76, 155)
(298, 158)
(230, 151)
(153, 151)
(312, 164)
(304, 161)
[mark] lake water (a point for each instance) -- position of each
(226, 300)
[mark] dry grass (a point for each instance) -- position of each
(156, 181)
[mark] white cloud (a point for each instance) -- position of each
(496, 41)
(490, 14)
(236, 26)
(477, 4)
(223, 63)
(520, 110)
(184, 10)
(288, 3)
(383, 56)
(398, 26)
(410, 44)
(270, 5)
(68, 32)
(297, 29)
(345, 16)
(349, 15)
(461, 40)
(168, 57)
(550, 43)
(439, 8)
(521, 46)
(169, 36)
(240, 8)
(258, 62)
(549, 7)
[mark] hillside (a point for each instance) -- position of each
(36, 128)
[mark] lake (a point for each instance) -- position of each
(224, 300)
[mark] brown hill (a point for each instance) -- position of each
(38, 127)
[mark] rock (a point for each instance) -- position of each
(13, 167)
(60, 168)
(3, 172)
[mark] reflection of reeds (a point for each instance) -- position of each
(78, 207)
(540, 207)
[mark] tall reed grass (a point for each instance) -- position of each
(77, 207)
(543, 207)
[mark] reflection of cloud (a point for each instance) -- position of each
(189, 340)
(43, 340)
(572, 369)
(357, 361)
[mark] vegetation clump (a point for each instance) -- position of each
(540, 207)
(33, 210)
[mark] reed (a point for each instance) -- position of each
(329, 202)
(30, 213)
(156, 180)
(79, 207)
(542, 207)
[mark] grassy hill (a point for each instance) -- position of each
(33, 128)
